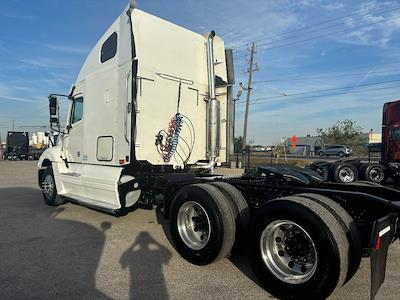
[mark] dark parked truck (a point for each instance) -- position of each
(17, 146)
(150, 119)
(387, 168)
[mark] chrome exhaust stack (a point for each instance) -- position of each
(213, 109)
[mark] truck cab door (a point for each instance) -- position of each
(73, 141)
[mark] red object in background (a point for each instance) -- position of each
(391, 132)
(294, 141)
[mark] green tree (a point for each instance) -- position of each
(345, 132)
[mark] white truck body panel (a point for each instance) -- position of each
(90, 157)
(165, 48)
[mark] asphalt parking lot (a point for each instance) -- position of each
(72, 252)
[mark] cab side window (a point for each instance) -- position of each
(109, 48)
(77, 110)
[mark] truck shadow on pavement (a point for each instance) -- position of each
(45, 257)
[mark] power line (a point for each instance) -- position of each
(32, 112)
(319, 29)
(328, 90)
(258, 100)
(345, 69)
(316, 76)
(325, 35)
(327, 95)
(321, 23)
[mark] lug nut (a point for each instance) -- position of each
(303, 269)
(281, 253)
(278, 239)
(291, 264)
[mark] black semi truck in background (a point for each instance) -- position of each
(17, 147)
(386, 169)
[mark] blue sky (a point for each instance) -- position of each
(317, 74)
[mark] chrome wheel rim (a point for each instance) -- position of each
(376, 175)
(48, 186)
(288, 252)
(346, 174)
(194, 225)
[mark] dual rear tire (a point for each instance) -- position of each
(304, 247)
(345, 172)
(205, 220)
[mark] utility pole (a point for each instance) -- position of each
(249, 88)
(239, 94)
(13, 125)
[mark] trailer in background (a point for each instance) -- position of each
(383, 165)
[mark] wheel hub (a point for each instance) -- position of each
(288, 251)
(346, 174)
(376, 175)
(193, 225)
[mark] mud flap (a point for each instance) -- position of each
(382, 236)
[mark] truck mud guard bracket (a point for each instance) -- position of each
(383, 234)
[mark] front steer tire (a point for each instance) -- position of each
(49, 190)
(202, 224)
(325, 271)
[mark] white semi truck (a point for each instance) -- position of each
(149, 120)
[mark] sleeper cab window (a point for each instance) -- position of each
(77, 110)
(109, 48)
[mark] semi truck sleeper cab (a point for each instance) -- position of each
(149, 120)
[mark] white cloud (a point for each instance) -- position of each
(18, 16)
(69, 49)
(384, 25)
(47, 63)
(333, 6)
(238, 25)
(16, 99)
